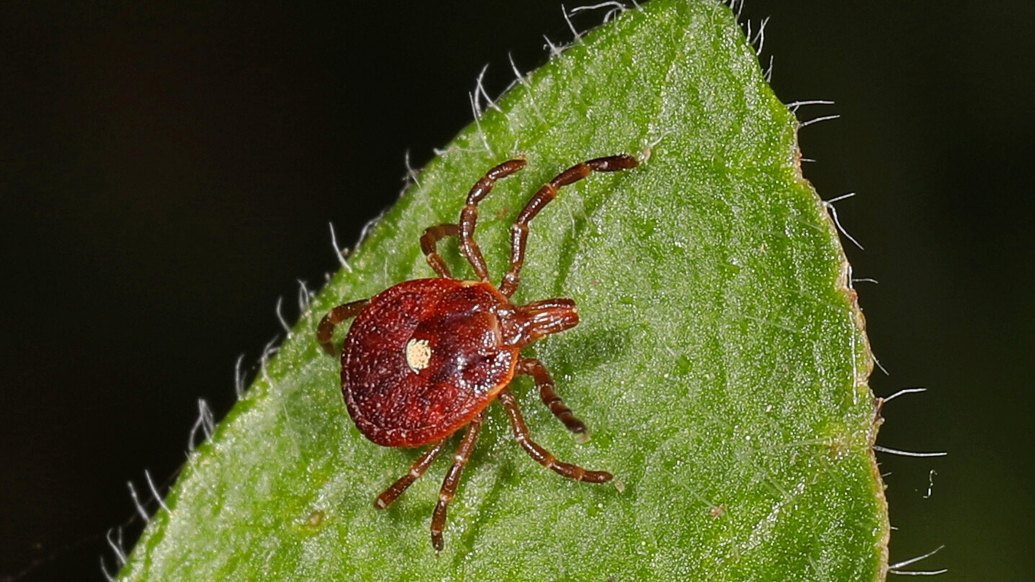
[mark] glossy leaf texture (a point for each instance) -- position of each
(721, 361)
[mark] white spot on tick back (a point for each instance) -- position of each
(418, 354)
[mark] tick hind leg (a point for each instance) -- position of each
(416, 470)
(548, 395)
(469, 215)
(445, 495)
(333, 318)
(519, 232)
(541, 455)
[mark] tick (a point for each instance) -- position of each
(426, 357)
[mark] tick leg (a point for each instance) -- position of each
(519, 232)
(469, 215)
(445, 495)
(428, 242)
(544, 382)
(333, 318)
(541, 455)
(416, 470)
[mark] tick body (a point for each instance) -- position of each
(424, 358)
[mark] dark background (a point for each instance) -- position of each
(166, 174)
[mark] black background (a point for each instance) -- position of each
(166, 174)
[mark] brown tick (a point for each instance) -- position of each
(424, 358)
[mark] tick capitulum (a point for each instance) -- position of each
(424, 358)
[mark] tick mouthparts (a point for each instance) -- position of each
(530, 322)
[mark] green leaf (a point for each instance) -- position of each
(721, 361)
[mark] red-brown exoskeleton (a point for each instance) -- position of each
(424, 358)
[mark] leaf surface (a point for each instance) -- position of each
(720, 363)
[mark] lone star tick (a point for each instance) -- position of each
(424, 358)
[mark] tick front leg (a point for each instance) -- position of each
(548, 395)
(541, 455)
(519, 231)
(445, 495)
(333, 318)
(469, 215)
(416, 470)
